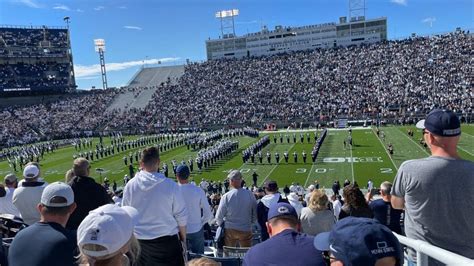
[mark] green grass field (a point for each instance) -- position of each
(368, 159)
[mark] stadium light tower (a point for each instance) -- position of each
(100, 48)
(356, 12)
(356, 9)
(227, 22)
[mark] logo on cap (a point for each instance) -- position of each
(94, 234)
(283, 209)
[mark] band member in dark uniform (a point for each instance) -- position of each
(277, 157)
(254, 178)
(304, 157)
(269, 158)
(295, 157)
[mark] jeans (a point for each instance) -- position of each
(196, 242)
(410, 262)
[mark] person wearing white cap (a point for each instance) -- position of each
(47, 242)
(161, 226)
(27, 196)
(105, 236)
(6, 202)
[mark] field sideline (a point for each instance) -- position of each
(368, 159)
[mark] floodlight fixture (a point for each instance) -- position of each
(99, 45)
(100, 48)
(226, 18)
(227, 13)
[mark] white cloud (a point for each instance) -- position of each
(122, 7)
(428, 20)
(98, 8)
(400, 2)
(62, 7)
(79, 10)
(132, 27)
(82, 71)
(29, 3)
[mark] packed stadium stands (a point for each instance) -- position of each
(397, 79)
(34, 61)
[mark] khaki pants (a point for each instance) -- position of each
(232, 236)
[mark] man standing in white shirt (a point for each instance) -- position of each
(195, 202)
(27, 196)
(6, 203)
(161, 226)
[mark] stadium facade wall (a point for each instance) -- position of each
(292, 39)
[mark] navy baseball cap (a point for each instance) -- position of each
(271, 185)
(442, 123)
(359, 241)
(281, 209)
(182, 171)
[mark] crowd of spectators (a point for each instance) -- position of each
(399, 79)
(405, 77)
(66, 118)
(37, 75)
(34, 59)
(23, 37)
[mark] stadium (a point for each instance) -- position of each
(297, 110)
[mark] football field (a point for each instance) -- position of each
(367, 159)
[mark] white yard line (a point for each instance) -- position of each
(352, 166)
(385, 150)
(310, 171)
(465, 151)
(467, 134)
(416, 144)
(265, 179)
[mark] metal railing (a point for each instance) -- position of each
(425, 250)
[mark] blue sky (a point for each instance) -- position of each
(174, 30)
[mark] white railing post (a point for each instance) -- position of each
(421, 259)
(424, 251)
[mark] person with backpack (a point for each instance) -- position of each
(272, 197)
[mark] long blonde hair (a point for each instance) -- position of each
(318, 201)
(132, 246)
